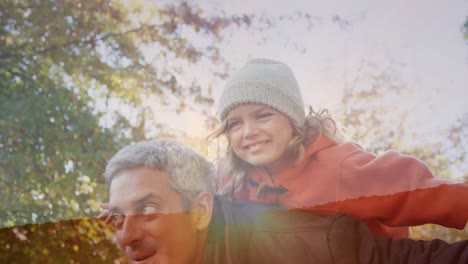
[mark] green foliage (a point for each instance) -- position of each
(431, 231)
(71, 241)
(62, 64)
(68, 69)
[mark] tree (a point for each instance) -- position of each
(67, 68)
(70, 241)
(62, 62)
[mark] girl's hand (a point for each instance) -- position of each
(104, 215)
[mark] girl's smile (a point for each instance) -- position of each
(259, 135)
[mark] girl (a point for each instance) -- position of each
(277, 154)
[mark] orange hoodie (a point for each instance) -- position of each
(388, 192)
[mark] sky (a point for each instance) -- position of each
(420, 40)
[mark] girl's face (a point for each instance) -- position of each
(259, 135)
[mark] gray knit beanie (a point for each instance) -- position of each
(267, 82)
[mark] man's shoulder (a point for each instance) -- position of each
(268, 215)
(271, 233)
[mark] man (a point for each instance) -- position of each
(164, 211)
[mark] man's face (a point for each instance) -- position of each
(151, 225)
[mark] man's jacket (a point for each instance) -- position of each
(245, 232)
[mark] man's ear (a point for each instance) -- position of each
(203, 210)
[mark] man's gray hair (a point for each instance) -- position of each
(189, 171)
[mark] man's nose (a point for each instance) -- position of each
(131, 232)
